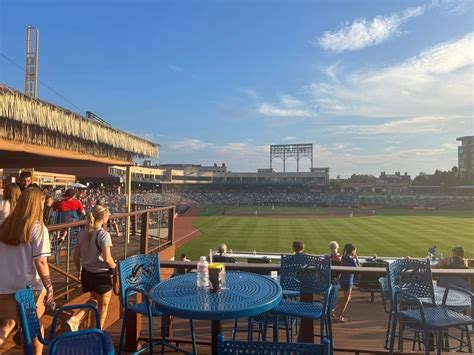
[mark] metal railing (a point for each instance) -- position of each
(154, 232)
(467, 274)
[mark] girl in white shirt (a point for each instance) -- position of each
(24, 249)
(11, 193)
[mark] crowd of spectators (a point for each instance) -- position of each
(309, 199)
(342, 199)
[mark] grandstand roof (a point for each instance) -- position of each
(34, 131)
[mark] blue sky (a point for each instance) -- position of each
(374, 85)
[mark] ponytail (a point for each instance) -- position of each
(90, 225)
(95, 219)
(348, 248)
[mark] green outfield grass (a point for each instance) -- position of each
(388, 233)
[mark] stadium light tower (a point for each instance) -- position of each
(296, 151)
(31, 68)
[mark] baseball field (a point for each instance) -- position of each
(385, 232)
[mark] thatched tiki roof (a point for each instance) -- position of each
(32, 122)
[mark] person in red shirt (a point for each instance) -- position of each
(334, 252)
(69, 203)
(69, 210)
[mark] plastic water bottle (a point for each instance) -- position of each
(202, 273)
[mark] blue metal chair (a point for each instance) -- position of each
(309, 275)
(226, 347)
(290, 286)
(258, 323)
(413, 299)
(387, 306)
(30, 329)
(88, 341)
(138, 274)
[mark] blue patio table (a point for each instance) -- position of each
(456, 300)
(245, 295)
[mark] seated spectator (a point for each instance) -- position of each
(222, 256)
(334, 252)
(456, 261)
(347, 282)
(11, 193)
(298, 246)
(183, 257)
(177, 272)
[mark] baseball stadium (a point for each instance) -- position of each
(312, 191)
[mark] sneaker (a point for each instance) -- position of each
(73, 324)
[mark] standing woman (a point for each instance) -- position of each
(11, 193)
(24, 248)
(347, 282)
(93, 253)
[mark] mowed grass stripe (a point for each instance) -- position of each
(391, 234)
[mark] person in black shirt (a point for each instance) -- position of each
(24, 180)
(48, 210)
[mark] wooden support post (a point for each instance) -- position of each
(171, 220)
(128, 206)
(132, 332)
(135, 209)
(134, 321)
(168, 332)
(134, 221)
(145, 232)
(307, 325)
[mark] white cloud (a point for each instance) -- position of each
(190, 145)
(331, 71)
(411, 160)
(363, 33)
(454, 7)
(343, 158)
(451, 146)
(290, 101)
(438, 82)
(197, 151)
(288, 106)
(176, 68)
(289, 138)
(269, 110)
(415, 125)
